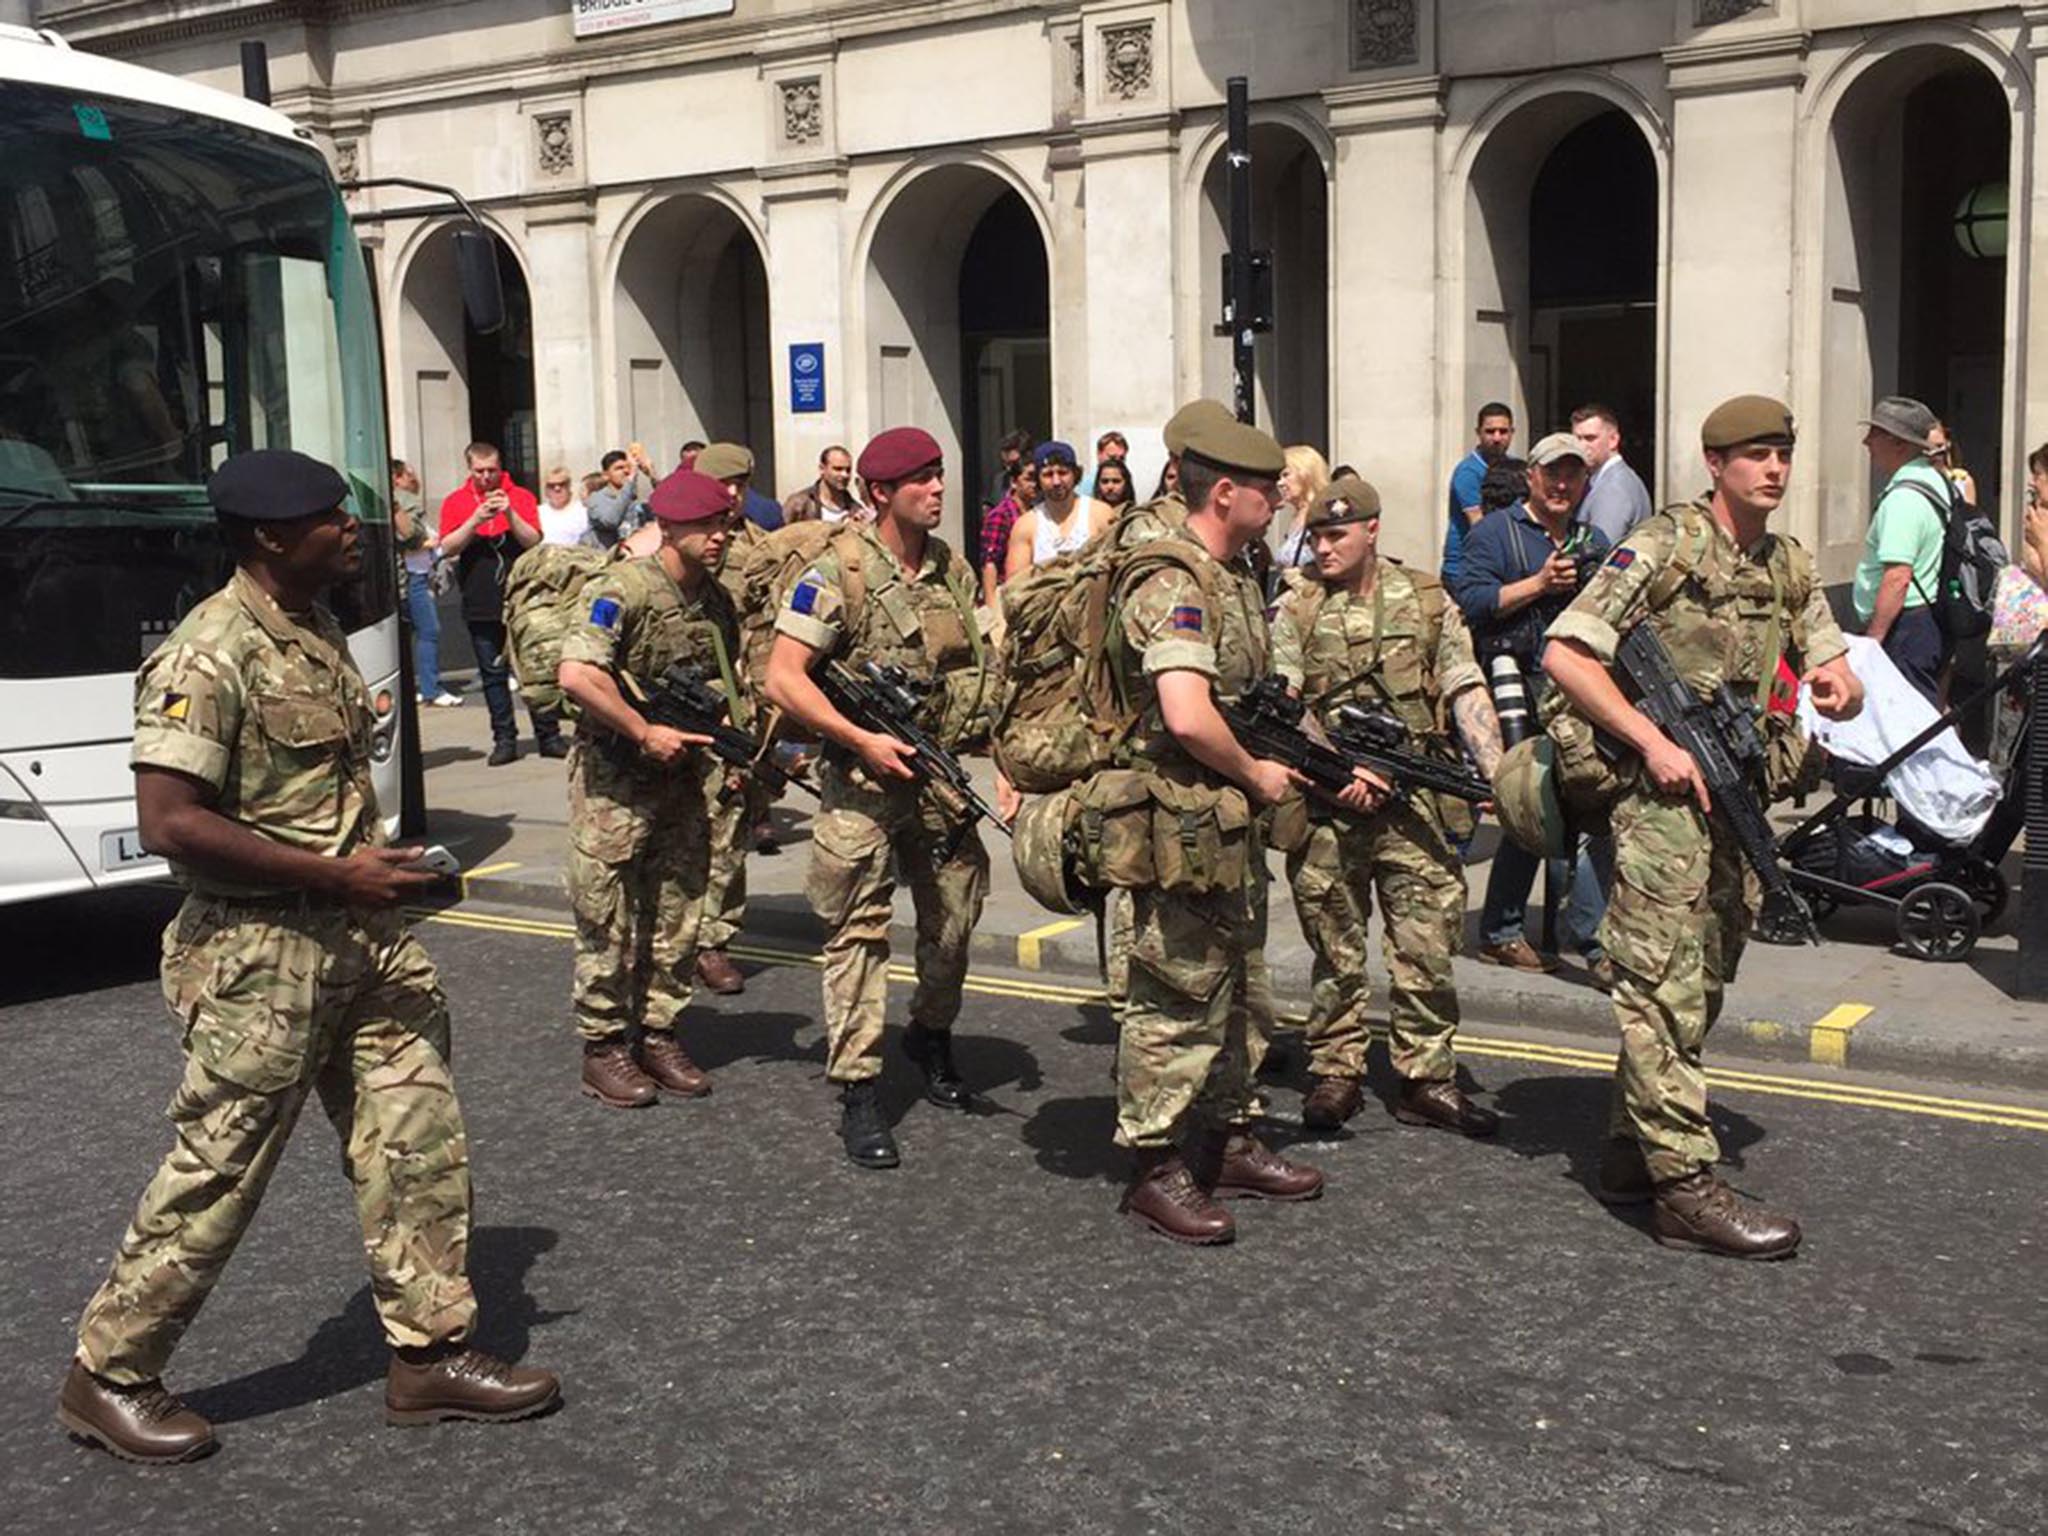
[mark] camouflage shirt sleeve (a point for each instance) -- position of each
(1456, 667)
(607, 605)
(1288, 659)
(815, 610)
(1824, 640)
(1167, 624)
(1616, 598)
(189, 699)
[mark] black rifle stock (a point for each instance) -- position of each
(1266, 720)
(1721, 736)
(684, 699)
(887, 699)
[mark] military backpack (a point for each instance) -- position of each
(543, 602)
(770, 567)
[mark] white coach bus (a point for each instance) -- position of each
(179, 281)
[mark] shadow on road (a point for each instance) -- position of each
(1073, 1138)
(470, 837)
(77, 944)
(347, 1351)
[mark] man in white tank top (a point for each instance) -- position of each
(1062, 521)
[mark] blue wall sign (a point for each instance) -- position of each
(806, 376)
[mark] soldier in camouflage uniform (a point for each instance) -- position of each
(1728, 598)
(1370, 632)
(1180, 640)
(289, 971)
(639, 844)
(914, 608)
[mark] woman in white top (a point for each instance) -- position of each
(1306, 477)
(563, 517)
(1062, 521)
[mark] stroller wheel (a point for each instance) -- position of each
(1987, 886)
(1938, 921)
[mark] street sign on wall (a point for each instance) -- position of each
(806, 376)
(595, 17)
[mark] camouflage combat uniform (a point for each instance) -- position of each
(1684, 899)
(280, 994)
(1406, 650)
(733, 807)
(1187, 1038)
(639, 848)
(867, 835)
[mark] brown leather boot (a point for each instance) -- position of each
(1236, 1165)
(143, 1423)
(663, 1058)
(1444, 1105)
(426, 1386)
(1331, 1102)
(716, 970)
(613, 1077)
(1165, 1197)
(1624, 1176)
(1701, 1213)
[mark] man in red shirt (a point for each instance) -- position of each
(486, 523)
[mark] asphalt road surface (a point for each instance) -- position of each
(755, 1335)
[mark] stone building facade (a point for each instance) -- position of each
(974, 213)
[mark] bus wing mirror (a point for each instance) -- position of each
(476, 267)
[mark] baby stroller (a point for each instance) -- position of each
(1941, 882)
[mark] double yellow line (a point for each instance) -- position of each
(1573, 1058)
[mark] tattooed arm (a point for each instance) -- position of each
(1478, 726)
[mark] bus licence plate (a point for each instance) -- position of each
(123, 850)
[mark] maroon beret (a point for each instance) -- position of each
(898, 454)
(688, 497)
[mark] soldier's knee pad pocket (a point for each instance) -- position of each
(842, 862)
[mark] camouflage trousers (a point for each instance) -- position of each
(732, 815)
(1192, 1029)
(1401, 853)
(276, 1003)
(1259, 1021)
(636, 873)
(1682, 907)
(864, 840)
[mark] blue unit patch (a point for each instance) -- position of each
(804, 598)
(1187, 616)
(604, 613)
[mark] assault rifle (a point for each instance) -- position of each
(1720, 734)
(683, 699)
(1266, 720)
(888, 699)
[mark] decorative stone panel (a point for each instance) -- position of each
(1127, 61)
(348, 160)
(803, 111)
(1385, 34)
(1709, 13)
(554, 143)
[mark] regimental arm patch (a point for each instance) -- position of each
(176, 706)
(804, 598)
(1622, 558)
(1187, 616)
(604, 613)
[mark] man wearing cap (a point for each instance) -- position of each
(1375, 633)
(289, 969)
(1901, 566)
(639, 838)
(1061, 522)
(1520, 567)
(1727, 597)
(1186, 639)
(891, 592)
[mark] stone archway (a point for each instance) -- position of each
(958, 319)
(691, 334)
(1291, 219)
(458, 385)
(1562, 242)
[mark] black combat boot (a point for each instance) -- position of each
(932, 1051)
(863, 1126)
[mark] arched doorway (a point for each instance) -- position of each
(691, 310)
(959, 322)
(1561, 271)
(461, 386)
(1919, 152)
(1291, 219)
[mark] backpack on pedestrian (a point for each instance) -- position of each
(1972, 556)
(543, 602)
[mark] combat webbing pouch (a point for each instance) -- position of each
(1133, 829)
(543, 602)
(1060, 717)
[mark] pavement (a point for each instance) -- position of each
(1854, 999)
(753, 1335)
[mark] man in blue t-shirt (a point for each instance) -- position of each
(1496, 428)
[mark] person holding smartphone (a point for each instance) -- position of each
(486, 523)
